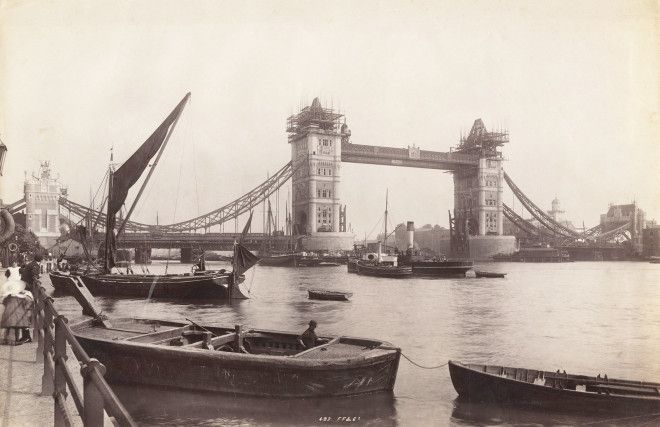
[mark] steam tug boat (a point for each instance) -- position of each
(437, 267)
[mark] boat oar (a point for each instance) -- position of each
(200, 326)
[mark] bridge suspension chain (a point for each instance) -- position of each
(619, 231)
(227, 212)
(538, 213)
(520, 222)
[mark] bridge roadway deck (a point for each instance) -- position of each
(414, 158)
(208, 241)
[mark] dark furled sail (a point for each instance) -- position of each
(128, 174)
(243, 259)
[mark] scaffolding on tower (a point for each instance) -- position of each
(482, 142)
(313, 116)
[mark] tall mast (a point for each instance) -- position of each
(109, 226)
(386, 194)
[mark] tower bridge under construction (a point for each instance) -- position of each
(320, 141)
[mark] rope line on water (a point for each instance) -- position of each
(421, 366)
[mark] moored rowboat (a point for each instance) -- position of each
(488, 274)
(329, 295)
(254, 362)
(553, 389)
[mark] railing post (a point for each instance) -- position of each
(92, 397)
(38, 317)
(47, 379)
(60, 364)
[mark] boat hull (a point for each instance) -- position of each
(441, 268)
(291, 260)
(278, 261)
(489, 275)
(384, 271)
(201, 286)
(488, 387)
(241, 374)
(329, 295)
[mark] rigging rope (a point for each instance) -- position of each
(176, 203)
(103, 180)
(377, 224)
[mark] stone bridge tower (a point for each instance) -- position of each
(315, 135)
(42, 205)
(478, 192)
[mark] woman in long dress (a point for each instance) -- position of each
(18, 304)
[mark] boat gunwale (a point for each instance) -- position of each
(384, 350)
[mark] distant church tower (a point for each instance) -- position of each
(556, 213)
(42, 205)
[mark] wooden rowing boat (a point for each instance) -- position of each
(488, 274)
(236, 360)
(329, 295)
(253, 362)
(553, 389)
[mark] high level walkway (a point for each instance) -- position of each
(410, 157)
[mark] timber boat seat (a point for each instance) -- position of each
(159, 337)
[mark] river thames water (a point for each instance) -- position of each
(585, 318)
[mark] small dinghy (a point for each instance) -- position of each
(553, 389)
(489, 274)
(329, 295)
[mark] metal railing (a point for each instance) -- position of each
(52, 332)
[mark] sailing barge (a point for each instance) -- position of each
(217, 284)
(553, 389)
(209, 285)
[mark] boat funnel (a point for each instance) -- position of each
(410, 235)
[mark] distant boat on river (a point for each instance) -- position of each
(539, 254)
(321, 294)
(488, 274)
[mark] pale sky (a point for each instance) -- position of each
(574, 82)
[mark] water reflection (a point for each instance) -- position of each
(160, 406)
(485, 413)
(586, 318)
